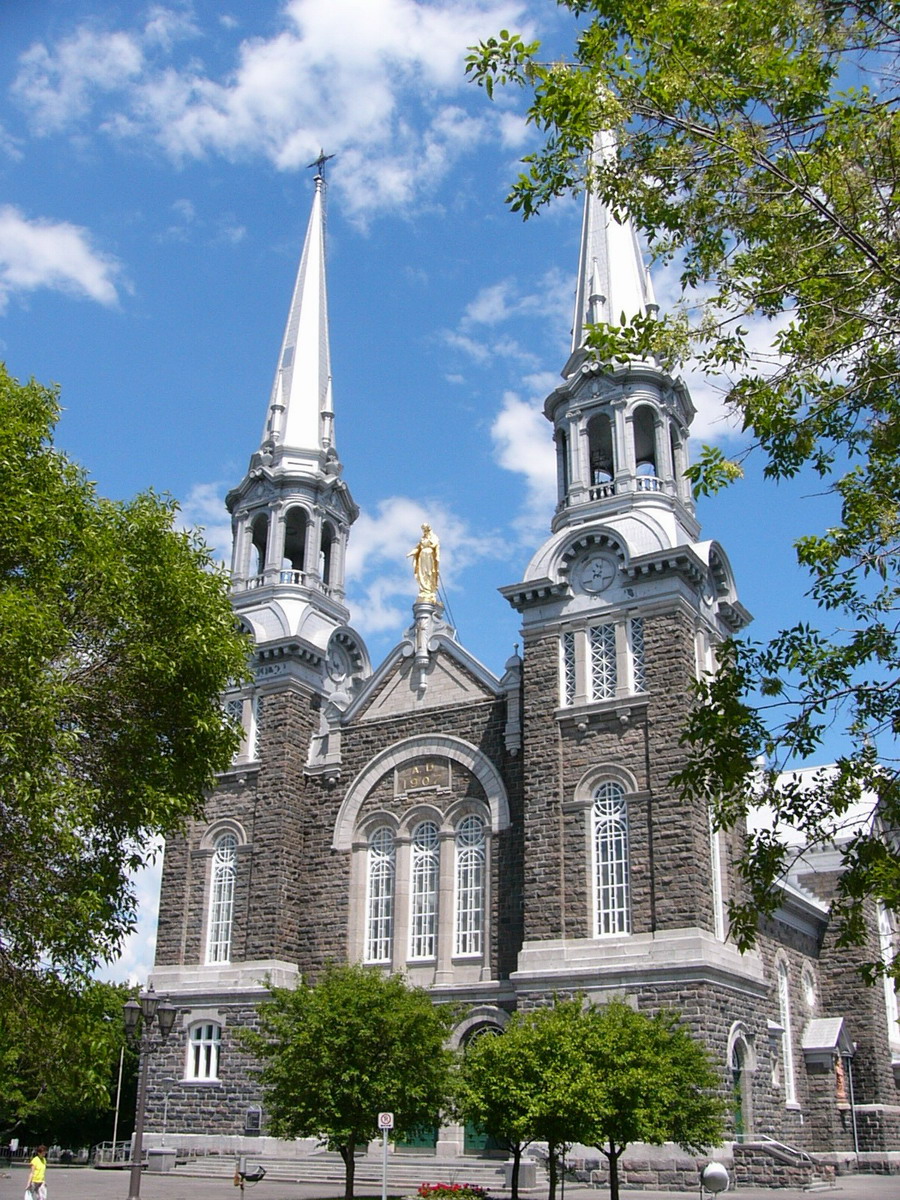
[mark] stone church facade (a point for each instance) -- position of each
(501, 840)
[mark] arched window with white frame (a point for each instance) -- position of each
(609, 840)
(204, 1042)
(468, 940)
(887, 939)
(221, 899)
(787, 1040)
(425, 851)
(380, 873)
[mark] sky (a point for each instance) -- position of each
(154, 194)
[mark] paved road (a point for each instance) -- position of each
(73, 1183)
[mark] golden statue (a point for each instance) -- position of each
(426, 558)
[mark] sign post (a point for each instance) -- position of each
(385, 1122)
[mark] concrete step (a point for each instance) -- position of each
(407, 1170)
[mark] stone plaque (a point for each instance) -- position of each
(423, 773)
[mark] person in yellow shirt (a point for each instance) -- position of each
(36, 1184)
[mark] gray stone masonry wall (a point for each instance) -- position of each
(669, 840)
(710, 1012)
(844, 993)
(756, 1166)
(269, 803)
(292, 888)
(216, 1107)
(481, 723)
(283, 914)
(818, 1120)
(184, 895)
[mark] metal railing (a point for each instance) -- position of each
(109, 1154)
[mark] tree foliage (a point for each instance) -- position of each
(654, 1083)
(758, 146)
(59, 1058)
(337, 1053)
(604, 1076)
(116, 642)
(530, 1083)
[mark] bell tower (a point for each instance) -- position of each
(622, 608)
(292, 511)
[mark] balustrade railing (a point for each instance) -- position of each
(279, 578)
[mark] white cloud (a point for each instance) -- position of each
(166, 26)
(523, 443)
(514, 130)
(59, 86)
(382, 97)
(204, 510)
(135, 960)
(9, 145)
(56, 255)
(380, 581)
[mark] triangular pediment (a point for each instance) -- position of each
(401, 685)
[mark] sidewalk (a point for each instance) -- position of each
(85, 1183)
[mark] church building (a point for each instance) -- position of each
(501, 840)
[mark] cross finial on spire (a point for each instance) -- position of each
(319, 163)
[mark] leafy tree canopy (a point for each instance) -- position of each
(337, 1053)
(604, 1076)
(653, 1083)
(116, 642)
(59, 1057)
(757, 144)
(531, 1083)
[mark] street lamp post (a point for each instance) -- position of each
(140, 1016)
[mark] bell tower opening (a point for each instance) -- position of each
(562, 465)
(295, 527)
(602, 456)
(260, 542)
(645, 450)
(326, 555)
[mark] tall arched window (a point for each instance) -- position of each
(423, 890)
(739, 1117)
(203, 1051)
(887, 939)
(609, 818)
(221, 899)
(380, 896)
(470, 859)
(787, 1041)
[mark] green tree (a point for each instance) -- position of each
(502, 1080)
(604, 1076)
(337, 1053)
(758, 145)
(653, 1083)
(116, 641)
(59, 1058)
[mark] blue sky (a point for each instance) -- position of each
(153, 200)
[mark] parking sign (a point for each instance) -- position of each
(385, 1120)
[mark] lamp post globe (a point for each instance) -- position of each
(714, 1177)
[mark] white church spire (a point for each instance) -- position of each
(612, 276)
(292, 511)
(300, 411)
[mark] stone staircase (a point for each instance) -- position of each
(767, 1163)
(405, 1172)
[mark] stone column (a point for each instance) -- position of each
(446, 915)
